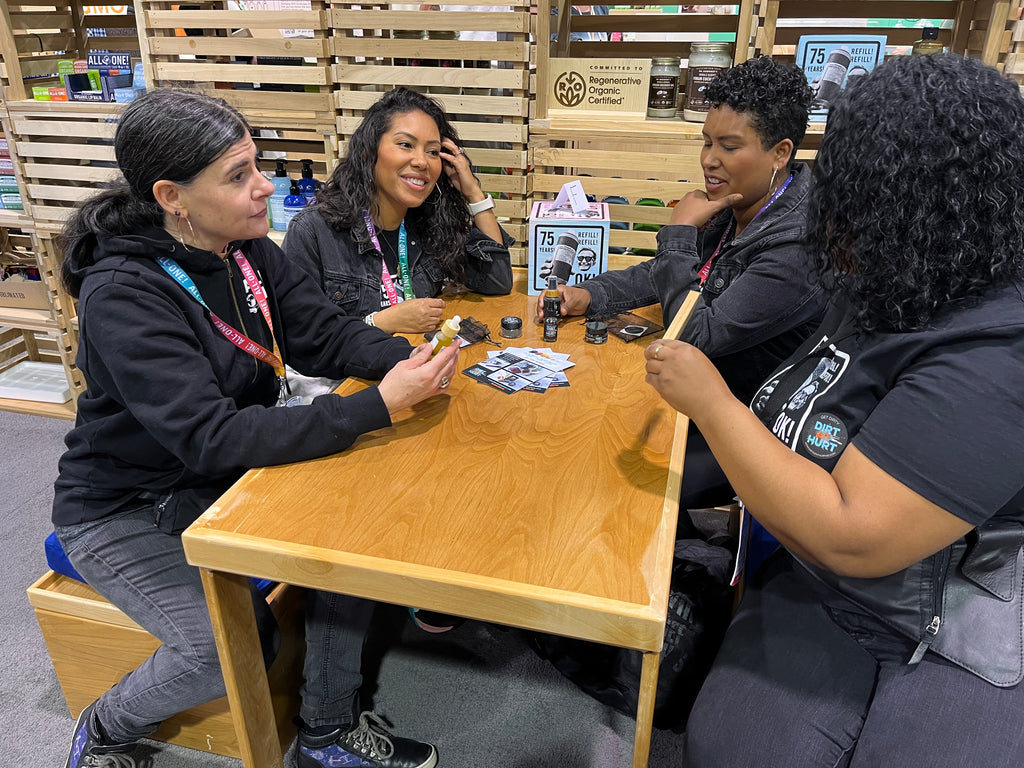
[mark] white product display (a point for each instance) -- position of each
(30, 380)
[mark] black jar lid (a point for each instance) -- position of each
(511, 327)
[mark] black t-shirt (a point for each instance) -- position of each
(940, 410)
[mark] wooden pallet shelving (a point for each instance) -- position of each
(483, 85)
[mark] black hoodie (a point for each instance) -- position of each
(172, 407)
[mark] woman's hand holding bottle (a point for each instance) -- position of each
(419, 377)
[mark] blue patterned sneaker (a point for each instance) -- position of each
(368, 745)
(90, 750)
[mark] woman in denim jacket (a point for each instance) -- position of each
(388, 204)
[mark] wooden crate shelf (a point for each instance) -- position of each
(242, 56)
(64, 153)
(35, 34)
(483, 85)
(1014, 63)
(644, 30)
(981, 28)
(44, 334)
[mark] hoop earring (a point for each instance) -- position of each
(181, 237)
(771, 184)
(438, 192)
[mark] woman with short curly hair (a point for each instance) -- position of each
(401, 217)
(883, 454)
(739, 241)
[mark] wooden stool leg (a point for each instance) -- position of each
(645, 709)
(241, 661)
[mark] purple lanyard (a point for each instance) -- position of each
(706, 269)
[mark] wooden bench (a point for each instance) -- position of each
(93, 645)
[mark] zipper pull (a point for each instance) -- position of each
(930, 632)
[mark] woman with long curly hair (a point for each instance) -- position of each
(401, 217)
(883, 455)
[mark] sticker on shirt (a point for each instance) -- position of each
(250, 300)
(785, 402)
(824, 436)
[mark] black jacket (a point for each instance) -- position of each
(759, 302)
(172, 406)
(348, 266)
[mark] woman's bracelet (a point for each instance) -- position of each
(369, 320)
(484, 205)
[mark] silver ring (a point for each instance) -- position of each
(444, 382)
(460, 151)
(656, 352)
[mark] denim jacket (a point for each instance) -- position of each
(349, 271)
(759, 302)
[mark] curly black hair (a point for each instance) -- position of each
(775, 97)
(917, 187)
(443, 221)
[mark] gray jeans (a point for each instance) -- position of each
(143, 571)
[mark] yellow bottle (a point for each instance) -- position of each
(446, 334)
(929, 42)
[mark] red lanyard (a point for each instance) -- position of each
(240, 340)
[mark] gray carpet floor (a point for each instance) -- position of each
(479, 692)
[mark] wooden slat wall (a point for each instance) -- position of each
(483, 85)
(981, 28)
(208, 50)
(647, 18)
(1014, 64)
(64, 151)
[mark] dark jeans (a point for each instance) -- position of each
(143, 571)
(791, 688)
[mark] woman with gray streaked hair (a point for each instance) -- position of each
(188, 316)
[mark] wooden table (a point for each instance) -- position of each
(551, 511)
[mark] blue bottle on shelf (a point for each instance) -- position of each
(307, 184)
(282, 186)
(294, 203)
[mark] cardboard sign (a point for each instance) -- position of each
(609, 86)
(588, 233)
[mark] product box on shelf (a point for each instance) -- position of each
(572, 246)
(23, 294)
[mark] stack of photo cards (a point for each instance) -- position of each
(522, 369)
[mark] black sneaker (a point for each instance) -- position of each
(90, 750)
(433, 622)
(368, 745)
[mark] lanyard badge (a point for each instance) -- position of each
(240, 340)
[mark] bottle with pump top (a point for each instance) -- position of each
(294, 203)
(307, 184)
(552, 310)
(446, 334)
(282, 186)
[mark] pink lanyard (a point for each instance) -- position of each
(706, 269)
(240, 340)
(403, 263)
